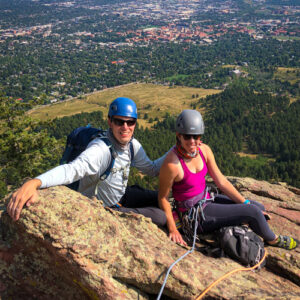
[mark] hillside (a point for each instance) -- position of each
(152, 100)
(252, 134)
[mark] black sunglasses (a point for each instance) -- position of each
(187, 137)
(120, 122)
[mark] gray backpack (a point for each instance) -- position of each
(242, 244)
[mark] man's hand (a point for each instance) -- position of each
(26, 194)
(176, 237)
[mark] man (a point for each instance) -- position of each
(91, 163)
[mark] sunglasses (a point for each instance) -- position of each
(187, 137)
(120, 122)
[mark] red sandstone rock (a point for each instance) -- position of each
(67, 246)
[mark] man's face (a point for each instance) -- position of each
(122, 128)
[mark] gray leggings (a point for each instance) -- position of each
(224, 212)
(145, 202)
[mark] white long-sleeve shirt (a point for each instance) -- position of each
(93, 162)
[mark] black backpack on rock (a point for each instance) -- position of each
(241, 244)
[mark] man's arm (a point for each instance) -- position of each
(142, 162)
(26, 194)
(89, 162)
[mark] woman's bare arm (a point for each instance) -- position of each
(167, 175)
(221, 181)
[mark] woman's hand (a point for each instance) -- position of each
(267, 216)
(176, 237)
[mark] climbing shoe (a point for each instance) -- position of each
(286, 242)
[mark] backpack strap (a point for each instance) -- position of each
(113, 154)
(131, 151)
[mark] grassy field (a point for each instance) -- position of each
(287, 74)
(229, 66)
(179, 76)
(286, 38)
(154, 100)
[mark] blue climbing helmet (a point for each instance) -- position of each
(123, 107)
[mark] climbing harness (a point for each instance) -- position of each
(188, 217)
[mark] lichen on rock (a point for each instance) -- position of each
(67, 246)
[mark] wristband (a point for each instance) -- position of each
(247, 201)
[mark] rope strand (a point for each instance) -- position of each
(180, 258)
(230, 273)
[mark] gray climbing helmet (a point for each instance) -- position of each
(189, 122)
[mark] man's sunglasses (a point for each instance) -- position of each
(187, 137)
(121, 122)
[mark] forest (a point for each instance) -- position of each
(53, 72)
(238, 120)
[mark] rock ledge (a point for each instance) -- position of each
(67, 246)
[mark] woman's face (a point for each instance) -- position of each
(189, 142)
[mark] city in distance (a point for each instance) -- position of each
(60, 49)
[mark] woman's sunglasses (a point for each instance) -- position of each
(187, 137)
(120, 122)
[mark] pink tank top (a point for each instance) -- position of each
(192, 184)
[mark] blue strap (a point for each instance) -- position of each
(131, 150)
(113, 156)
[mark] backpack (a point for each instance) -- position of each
(78, 140)
(242, 244)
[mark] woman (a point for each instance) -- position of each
(183, 172)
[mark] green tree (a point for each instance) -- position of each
(25, 150)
